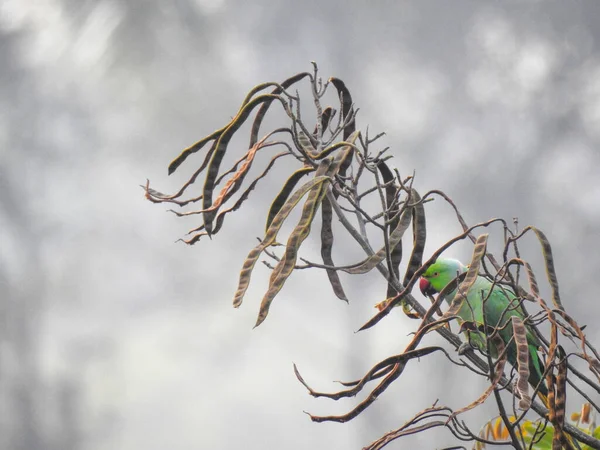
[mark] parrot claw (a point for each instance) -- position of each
(464, 348)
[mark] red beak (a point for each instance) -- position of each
(426, 288)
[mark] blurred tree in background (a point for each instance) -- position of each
(35, 414)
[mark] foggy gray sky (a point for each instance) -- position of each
(112, 336)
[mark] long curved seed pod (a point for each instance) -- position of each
(215, 135)
(326, 226)
(270, 236)
(260, 115)
(326, 249)
(550, 271)
(550, 382)
(285, 266)
(347, 116)
(535, 293)
(548, 260)
(419, 236)
(288, 187)
(339, 166)
(522, 385)
(219, 153)
(347, 107)
(559, 440)
(392, 208)
(391, 191)
(533, 284)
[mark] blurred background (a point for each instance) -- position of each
(112, 336)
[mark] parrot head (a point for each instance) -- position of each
(439, 274)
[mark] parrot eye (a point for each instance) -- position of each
(435, 274)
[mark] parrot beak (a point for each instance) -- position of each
(426, 288)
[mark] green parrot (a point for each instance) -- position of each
(443, 271)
